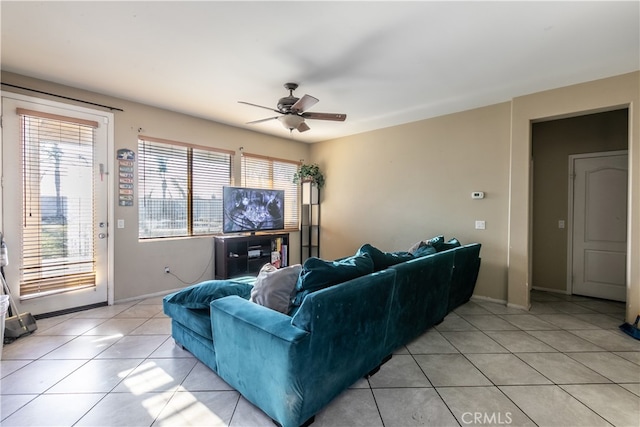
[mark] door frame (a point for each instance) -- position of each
(569, 224)
(108, 122)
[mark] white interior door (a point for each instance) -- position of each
(599, 243)
(55, 203)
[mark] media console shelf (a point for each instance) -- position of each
(243, 255)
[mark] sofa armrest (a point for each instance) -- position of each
(258, 352)
(237, 312)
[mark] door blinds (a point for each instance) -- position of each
(58, 252)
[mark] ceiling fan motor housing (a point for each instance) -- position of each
(285, 104)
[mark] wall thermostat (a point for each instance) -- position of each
(477, 195)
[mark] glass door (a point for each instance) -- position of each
(55, 202)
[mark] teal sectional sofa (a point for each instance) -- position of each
(292, 365)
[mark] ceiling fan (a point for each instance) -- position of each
(293, 111)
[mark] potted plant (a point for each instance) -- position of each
(310, 173)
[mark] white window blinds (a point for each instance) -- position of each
(58, 219)
(211, 171)
(180, 188)
(267, 172)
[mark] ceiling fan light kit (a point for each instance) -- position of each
(292, 121)
(293, 111)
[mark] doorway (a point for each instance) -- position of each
(56, 202)
(553, 141)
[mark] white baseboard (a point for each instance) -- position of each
(499, 301)
(556, 291)
(519, 307)
(141, 297)
(488, 299)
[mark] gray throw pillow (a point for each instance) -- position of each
(274, 287)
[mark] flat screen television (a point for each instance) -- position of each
(252, 209)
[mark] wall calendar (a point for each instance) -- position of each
(126, 184)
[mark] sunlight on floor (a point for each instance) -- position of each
(183, 408)
(188, 410)
(147, 378)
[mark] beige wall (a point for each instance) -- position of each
(552, 143)
(599, 95)
(395, 186)
(139, 266)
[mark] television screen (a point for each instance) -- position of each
(252, 209)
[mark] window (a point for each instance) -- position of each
(180, 188)
(266, 172)
(58, 252)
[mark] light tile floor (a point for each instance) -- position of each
(563, 363)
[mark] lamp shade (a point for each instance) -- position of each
(291, 121)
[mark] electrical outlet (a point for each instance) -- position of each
(166, 270)
(481, 225)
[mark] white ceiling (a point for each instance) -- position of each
(381, 63)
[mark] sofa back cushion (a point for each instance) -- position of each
(274, 287)
(429, 242)
(421, 297)
(466, 263)
(382, 260)
(449, 244)
(336, 307)
(318, 274)
(424, 251)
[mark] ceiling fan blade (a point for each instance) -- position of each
(325, 116)
(262, 120)
(303, 127)
(304, 103)
(260, 106)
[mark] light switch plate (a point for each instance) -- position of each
(121, 223)
(481, 225)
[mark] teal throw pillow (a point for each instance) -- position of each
(201, 295)
(318, 274)
(424, 251)
(382, 260)
(434, 241)
(445, 246)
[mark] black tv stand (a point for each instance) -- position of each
(244, 255)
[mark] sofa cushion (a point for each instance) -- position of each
(445, 246)
(434, 241)
(318, 274)
(424, 251)
(199, 296)
(382, 260)
(196, 320)
(275, 287)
